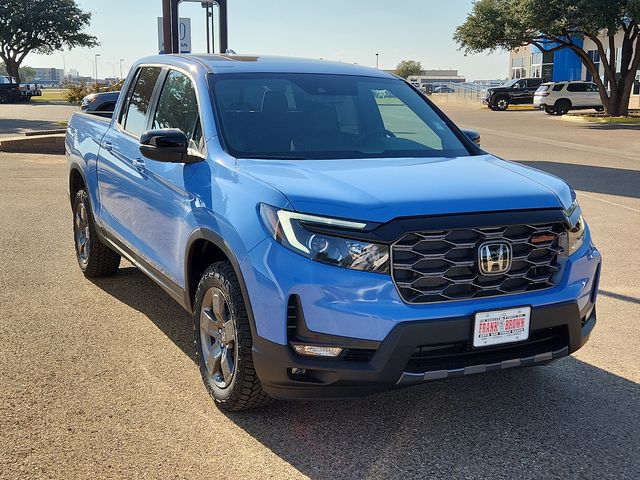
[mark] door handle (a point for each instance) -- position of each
(108, 146)
(138, 163)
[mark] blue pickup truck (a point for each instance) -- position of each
(332, 232)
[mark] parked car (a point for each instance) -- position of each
(561, 97)
(516, 92)
(9, 89)
(102, 103)
(443, 89)
(328, 242)
(29, 90)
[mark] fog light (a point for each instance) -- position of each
(316, 351)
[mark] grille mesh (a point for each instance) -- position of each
(439, 266)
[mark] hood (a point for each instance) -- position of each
(379, 190)
(497, 89)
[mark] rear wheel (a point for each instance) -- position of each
(562, 107)
(223, 341)
(501, 104)
(599, 109)
(94, 257)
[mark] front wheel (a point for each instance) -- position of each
(502, 104)
(223, 341)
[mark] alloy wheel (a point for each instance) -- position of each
(82, 236)
(502, 104)
(218, 338)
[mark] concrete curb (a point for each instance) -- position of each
(584, 119)
(45, 144)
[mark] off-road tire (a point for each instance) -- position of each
(244, 391)
(101, 261)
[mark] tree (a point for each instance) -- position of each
(408, 68)
(41, 26)
(552, 25)
(26, 73)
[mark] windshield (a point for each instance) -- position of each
(511, 83)
(315, 116)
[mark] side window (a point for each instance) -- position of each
(178, 108)
(592, 87)
(534, 83)
(577, 87)
(135, 117)
(399, 119)
(558, 87)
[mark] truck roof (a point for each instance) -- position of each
(265, 64)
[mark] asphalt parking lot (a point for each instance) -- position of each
(98, 379)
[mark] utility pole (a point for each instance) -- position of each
(377, 64)
(121, 60)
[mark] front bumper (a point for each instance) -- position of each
(363, 313)
(556, 331)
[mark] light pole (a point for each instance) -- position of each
(96, 65)
(121, 60)
(64, 64)
(377, 57)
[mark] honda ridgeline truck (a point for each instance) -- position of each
(332, 232)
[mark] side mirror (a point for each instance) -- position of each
(472, 135)
(167, 145)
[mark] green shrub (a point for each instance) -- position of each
(75, 93)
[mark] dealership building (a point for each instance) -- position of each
(565, 65)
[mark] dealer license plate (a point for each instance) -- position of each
(501, 326)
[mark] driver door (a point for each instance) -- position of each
(160, 199)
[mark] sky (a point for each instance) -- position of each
(351, 31)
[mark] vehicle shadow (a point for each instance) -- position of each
(17, 126)
(135, 289)
(566, 420)
(612, 181)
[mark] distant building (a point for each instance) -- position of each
(564, 64)
(49, 75)
(435, 77)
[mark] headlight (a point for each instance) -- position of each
(288, 228)
(577, 234)
(577, 229)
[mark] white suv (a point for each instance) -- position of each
(558, 98)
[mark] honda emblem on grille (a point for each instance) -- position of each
(494, 258)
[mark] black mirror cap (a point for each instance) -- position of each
(167, 145)
(472, 135)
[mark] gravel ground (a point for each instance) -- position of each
(98, 379)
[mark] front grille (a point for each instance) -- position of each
(438, 266)
(460, 355)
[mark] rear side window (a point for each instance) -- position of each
(178, 108)
(591, 87)
(135, 116)
(535, 82)
(558, 87)
(577, 87)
